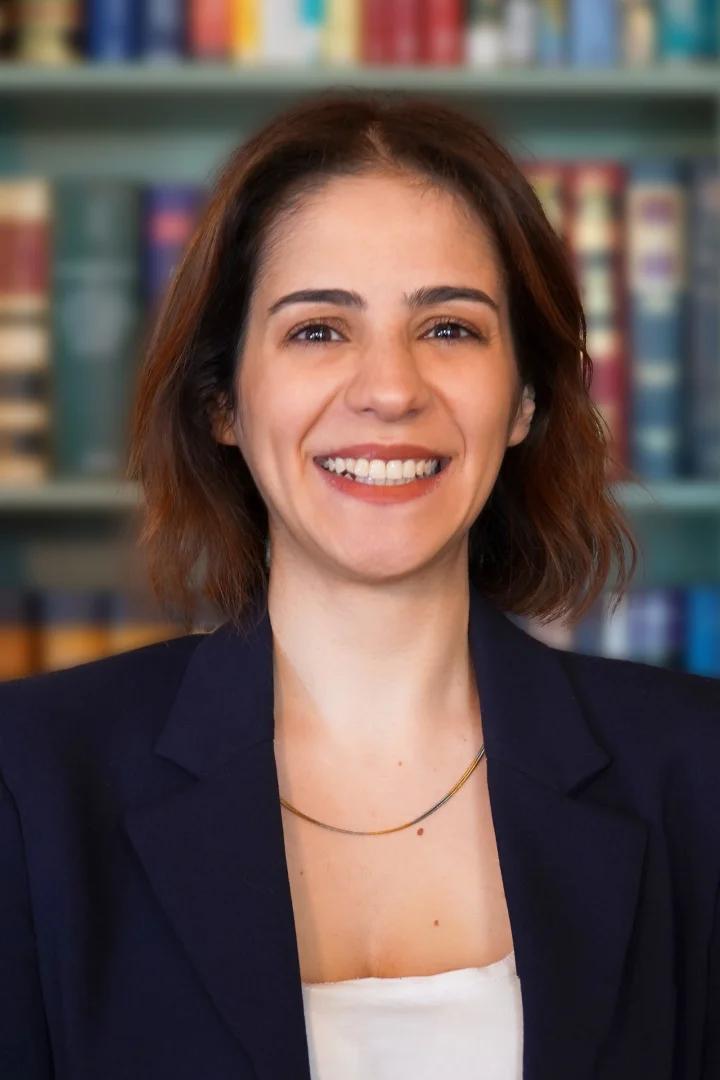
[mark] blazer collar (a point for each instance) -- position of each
(517, 676)
(571, 867)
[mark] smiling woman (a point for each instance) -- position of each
(368, 828)
(359, 247)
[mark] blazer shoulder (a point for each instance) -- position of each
(77, 706)
(662, 724)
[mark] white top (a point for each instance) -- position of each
(465, 1024)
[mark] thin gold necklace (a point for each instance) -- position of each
(379, 832)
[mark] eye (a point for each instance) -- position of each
(319, 327)
(295, 335)
(445, 323)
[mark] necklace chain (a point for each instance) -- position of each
(396, 828)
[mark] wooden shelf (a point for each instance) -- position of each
(138, 79)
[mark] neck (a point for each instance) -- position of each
(376, 670)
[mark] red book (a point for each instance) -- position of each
(208, 29)
(596, 232)
(375, 31)
(25, 228)
(441, 32)
(404, 31)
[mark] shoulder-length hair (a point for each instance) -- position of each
(544, 542)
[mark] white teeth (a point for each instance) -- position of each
(377, 471)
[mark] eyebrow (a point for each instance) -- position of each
(423, 297)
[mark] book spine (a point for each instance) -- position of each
(656, 626)
(702, 633)
(375, 32)
(161, 30)
(47, 31)
(595, 228)
(657, 285)
(97, 319)
(484, 33)
(552, 33)
(548, 181)
(441, 32)
(681, 29)
(593, 33)
(340, 43)
(703, 400)
(110, 27)
(245, 22)
(638, 32)
(519, 32)
(312, 18)
(25, 415)
(404, 30)
(280, 32)
(169, 212)
(208, 29)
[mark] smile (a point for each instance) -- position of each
(379, 481)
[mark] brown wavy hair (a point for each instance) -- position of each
(546, 538)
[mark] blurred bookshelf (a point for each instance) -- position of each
(608, 105)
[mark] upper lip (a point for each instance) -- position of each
(383, 452)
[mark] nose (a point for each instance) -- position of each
(388, 380)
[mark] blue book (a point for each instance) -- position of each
(161, 30)
(703, 393)
(110, 27)
(682, 26)
(702, 646)
(593, 33)
(710, 29)
(657, 315)
(551, 33)
(168, 217)
(657, 626)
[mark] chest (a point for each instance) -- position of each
(425, 899)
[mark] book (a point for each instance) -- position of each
(702, 422)
(519, 32)
(97, 320)
(638, 32)
(404, 31)
(656, 240)
(484, 33)
(596, 240)
(551, 44)
(593, 33)
(340, 42)
(441, 32)
(208, 29)
(110, 30)
(161, 30)
(681, 29)
(245, 41)
(25, 336)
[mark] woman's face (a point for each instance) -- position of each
(378, 360)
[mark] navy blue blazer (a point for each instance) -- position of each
(146, 922)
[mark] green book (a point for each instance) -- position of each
(97, 323)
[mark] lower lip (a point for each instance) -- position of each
(380, 493)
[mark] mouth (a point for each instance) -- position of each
(381, 472)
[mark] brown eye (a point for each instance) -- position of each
(454, 324)
(314, 326)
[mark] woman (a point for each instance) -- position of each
(368, 826)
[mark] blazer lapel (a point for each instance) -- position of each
(214, 850)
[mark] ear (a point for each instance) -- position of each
(523, 416)
(222, 426)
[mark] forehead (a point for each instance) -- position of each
(381, 225)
